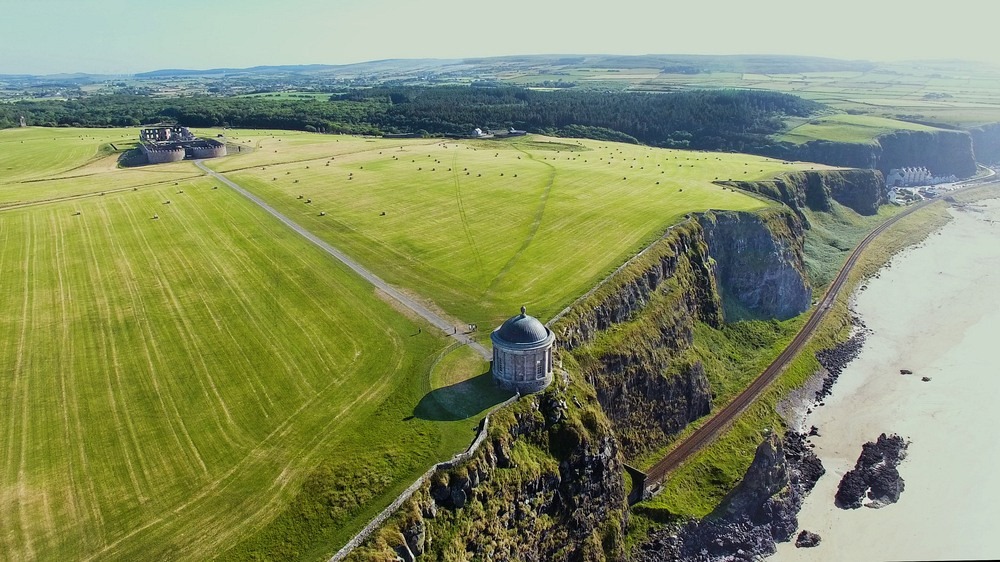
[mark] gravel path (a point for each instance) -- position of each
(422, 311)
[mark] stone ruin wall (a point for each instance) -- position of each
(162, 155)
(215, 149)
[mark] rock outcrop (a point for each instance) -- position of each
(546, 485)
(874, 476)
(759, 512)
(807, 539)
(863, 191)
(758, 263)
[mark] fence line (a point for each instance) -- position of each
(458, 459)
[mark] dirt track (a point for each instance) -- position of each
(449, 328)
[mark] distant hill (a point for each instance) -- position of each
(368, 66)
(403, 67)
(762, 64)
(180, 72)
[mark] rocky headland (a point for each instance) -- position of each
(757, 514)
(548, 482)
(944, 152)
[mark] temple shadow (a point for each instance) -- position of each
(461, 400)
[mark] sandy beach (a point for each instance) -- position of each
(936, 311)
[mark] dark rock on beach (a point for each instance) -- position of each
(874, 475)
(836, 359)
(807, 539)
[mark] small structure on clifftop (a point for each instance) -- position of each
(522, 354)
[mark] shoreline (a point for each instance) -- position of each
(932, 309)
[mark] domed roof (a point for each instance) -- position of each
(522, 329)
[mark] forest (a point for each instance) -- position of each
(738, 120)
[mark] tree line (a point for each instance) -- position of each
(738, 120)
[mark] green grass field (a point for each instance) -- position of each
(948, 92)
(482, 227)
(848, 128)
(41, 165)
(174, 383)
(206, 383)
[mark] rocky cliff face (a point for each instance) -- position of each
(863, 191)
(986, 143)
(759, 512)
(632, 337)
(942, 152)
(758, 263)
(546, 485)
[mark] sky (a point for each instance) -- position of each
(130, 36)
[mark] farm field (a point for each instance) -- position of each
(201, 382)
(481, 227)
(848, 128)
(963, 95)
(40, 165)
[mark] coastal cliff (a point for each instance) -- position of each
(546, 485)
(633, 337)
(863, 191)
(986, 143)
(758, 263)
(549, 483)
(942, 152)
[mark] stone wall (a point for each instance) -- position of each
(158, 155)
(211, 149)
(458, 459)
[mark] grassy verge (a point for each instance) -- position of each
(832, 237)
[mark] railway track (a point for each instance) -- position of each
(721, 420)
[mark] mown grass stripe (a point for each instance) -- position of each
(65, 370)
(108, 343)
(167, 406)
(19, 424)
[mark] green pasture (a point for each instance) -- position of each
(36, 152)
(949, 93)
(268, 147)
(481, 227)
(843, 127)
(44, 165)
(202, 382)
